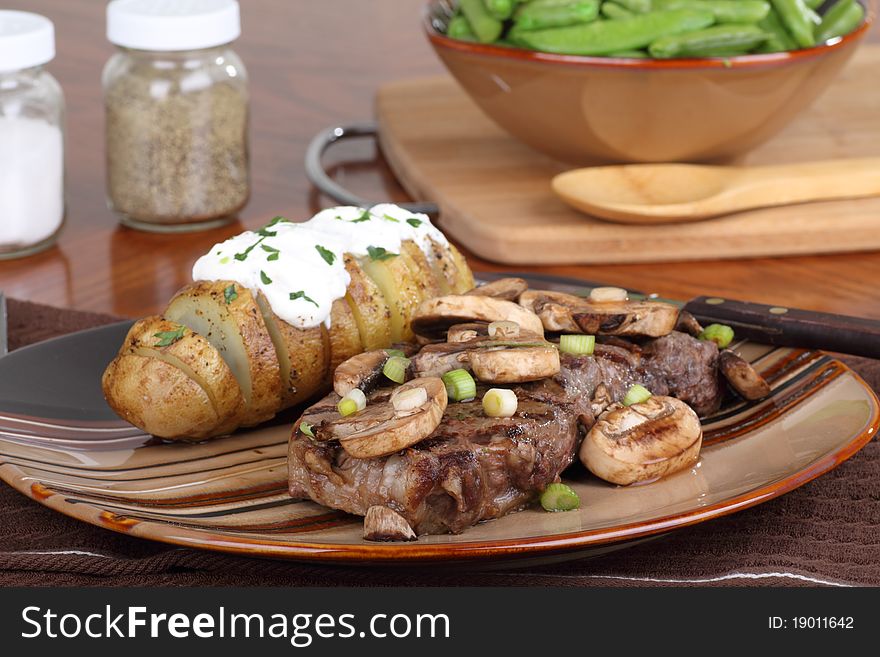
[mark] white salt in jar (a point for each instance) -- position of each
(31, 136)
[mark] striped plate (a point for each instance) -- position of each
(62, 446)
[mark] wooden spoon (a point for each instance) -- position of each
(669, 193)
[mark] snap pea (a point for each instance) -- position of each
(841, 18)
(459, 28)
(726, 11)
(500, 9)
(779, 40)
(614, 11)
(708, 42)
(485, 26)
(636, 6)
(538, 17)
(796, 20)
(603, 37)
(629, 54)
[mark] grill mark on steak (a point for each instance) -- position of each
(475, 468)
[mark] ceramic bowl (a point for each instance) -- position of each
(597, 109)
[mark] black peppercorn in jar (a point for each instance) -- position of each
(176, 102)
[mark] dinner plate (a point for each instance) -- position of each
(61, 445)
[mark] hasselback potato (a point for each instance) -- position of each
(272, 313)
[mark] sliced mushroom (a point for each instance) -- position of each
(742, 376)
(503, 288)
(601, 400)
(517, 365)
(467, 332)
(514, 360)
(687, 323)
(642, 442)
(572, 314)
(434, 317)
(363, 371)
(380, 429)
(384, 524)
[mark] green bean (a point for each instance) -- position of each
(636, 6)
(780, 40)
(614, 11)
(841, 18)
(460, 29)
(485, 26)
(726, 11)
(796, 20)
(500, 9)
(537, 17)
(603, 37)
(723, 38)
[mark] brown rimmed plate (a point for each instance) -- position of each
(63, 447)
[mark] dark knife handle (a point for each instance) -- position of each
(790, 327)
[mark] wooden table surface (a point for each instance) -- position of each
(314, 63)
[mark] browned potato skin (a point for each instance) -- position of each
(198, 359)
(302, 357)
(148, 392)
(424, 273)
(370, 309)
(244, 313)
(464, 279)
(345, 340)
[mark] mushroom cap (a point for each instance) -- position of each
(642, 442)
(572, 314)
(384, 524)
(516, 365)
(503, 288)
(380, 430)
(434, 316)
(359, 371)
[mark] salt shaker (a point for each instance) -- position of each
(176, 100)
(31, 136)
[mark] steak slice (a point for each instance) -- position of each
(472, 468)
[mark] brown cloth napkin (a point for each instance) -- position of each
(827, 532)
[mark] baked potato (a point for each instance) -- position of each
(231, 361)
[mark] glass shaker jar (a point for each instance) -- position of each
(176, 102)
(31, 136)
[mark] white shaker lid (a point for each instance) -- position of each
(169, 25)
(26, 40)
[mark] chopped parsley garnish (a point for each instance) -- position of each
(278, 220)
(415, 223)
(244, 254)
(327, 254)
(302, 295)
(272, 251)
(388, 217)
(379, 253)
(266, 280)
(230, 294)
(265, 232)
(168, 338)
(365, 216)
(225, 260)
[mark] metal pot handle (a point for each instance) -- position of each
(318, 176)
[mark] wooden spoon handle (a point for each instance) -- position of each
(790, 327)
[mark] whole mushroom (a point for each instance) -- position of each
(642, 442)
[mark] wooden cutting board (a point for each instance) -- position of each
(495, 197)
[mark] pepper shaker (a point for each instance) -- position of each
(176, 101)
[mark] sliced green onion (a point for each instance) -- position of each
(353, 402)
(306, 428)
(559, 497)
(719, 334)
(581, 345)
(395, 352)
(636, 395)
(460, 385)
(500, 402)
(395, 368)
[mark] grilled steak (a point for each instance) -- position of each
(475, 467)
(471, 468)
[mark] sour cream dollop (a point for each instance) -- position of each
(299, 267)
